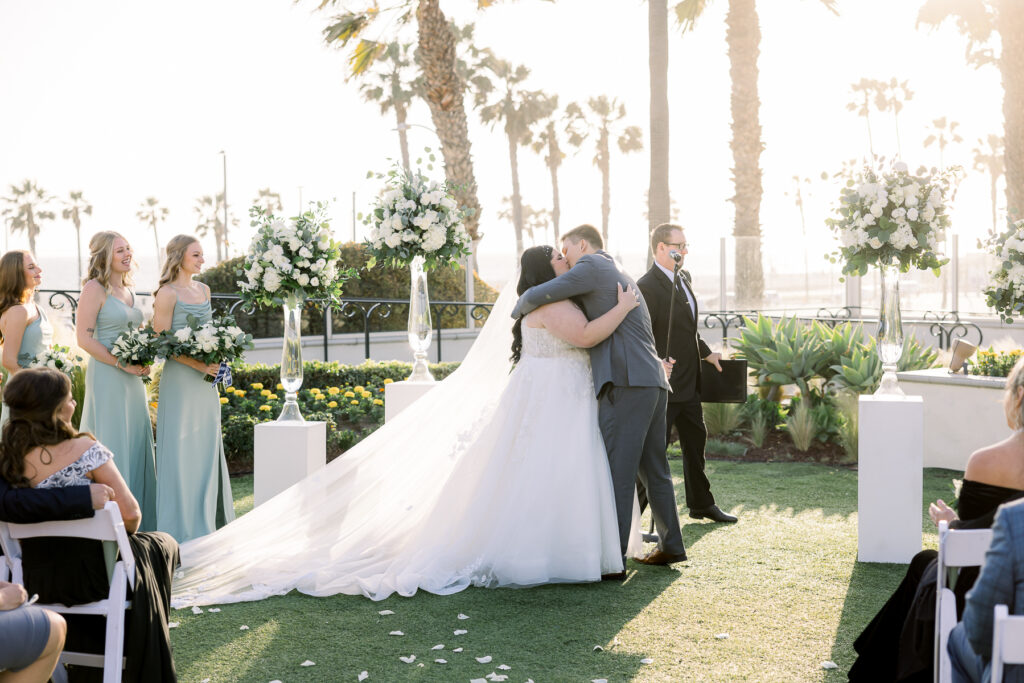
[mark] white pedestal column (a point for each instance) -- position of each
(400, 395)
(889, 478)
(285, 453)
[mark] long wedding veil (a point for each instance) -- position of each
(359, 511)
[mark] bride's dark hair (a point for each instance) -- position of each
(534, 269)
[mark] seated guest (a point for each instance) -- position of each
(898, 644)
(40, 449)
(1001, 582)
(31, 638)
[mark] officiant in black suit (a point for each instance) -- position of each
(691, 356)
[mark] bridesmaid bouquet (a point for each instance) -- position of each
(56, 357)
(137, 346)
(218, 341)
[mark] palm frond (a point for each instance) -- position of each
(688, 11)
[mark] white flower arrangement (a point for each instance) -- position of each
(893, 217)
(56, 357)
(137, 346)
(294, 258)
(218, 341)
(415, 216)
(1005, 292)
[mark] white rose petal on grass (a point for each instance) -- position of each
(463, 616)
(484, 660)
(385, 612)
(458, 649)
(722, 636)
(439, 646)
(213, 610)
(197, 610)
(440, 661)
(173, 624)
(408, 660)
(598, 648)
(243, 627)
(363, 675)
(647, 660)
(599, 680)
(308, 662)
(497, 677)
(504, 667)
(460, 631)
(478, 680)
(829, 665)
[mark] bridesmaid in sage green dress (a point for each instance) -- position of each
(193, 491)
(24, 329)
(115, 409)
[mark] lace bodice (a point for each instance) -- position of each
(538, 342)
(75, 473)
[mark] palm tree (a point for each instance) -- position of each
(443, 85)
(27, 206)
(390, 85)
(890, 96)
(519, 110)
(269, 201)
(546, 142)
(743, 36)
(534, 220)
(659, 200)
(861, 104)
(944, 133)
(990, 160)
(798, 200)
(600, 122)
(74, 206)
(208, 212)
(151, 214)
(989, 23)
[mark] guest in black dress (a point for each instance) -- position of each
(898, 644)
(40, 449)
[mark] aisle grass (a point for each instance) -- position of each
(768, 599)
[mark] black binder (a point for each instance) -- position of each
(727, 386)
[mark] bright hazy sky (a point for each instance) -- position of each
(125, 100)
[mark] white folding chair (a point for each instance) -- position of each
(106, 525)
(957, 548)
(1007, 641)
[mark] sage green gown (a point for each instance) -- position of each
(116, 410)
(193, 491)
(37, 338)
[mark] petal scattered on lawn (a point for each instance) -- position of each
(439, 646)
(408, 660)
(440, 661)
(385, 612)
(458, 649)
(829, 665)
(213, 609)
(276, 680)
(599, 680)
(484, 660)
(243, 627)
(205, 680)
(478, 680)
(460, 631)
(504, 667)
(197, 610)
(463, 616)
(722, 636)
(308, 662)
(598, 648)
(173, 624)
(396, 633)
(363, 675)
(647, 660)
(496, 677)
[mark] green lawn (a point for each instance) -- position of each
(768, 599)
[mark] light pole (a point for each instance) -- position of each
(224, 158)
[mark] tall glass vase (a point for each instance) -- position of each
(420, 329)
(291, 359)
(890, 330)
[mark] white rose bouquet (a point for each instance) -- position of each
(137, 346)
(293, 258)
(218, 341)
(1005, 291)
(893, 217)
(414, 217)
(56, 357)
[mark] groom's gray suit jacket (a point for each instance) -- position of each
(627, 358)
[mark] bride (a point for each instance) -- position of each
(495, 478)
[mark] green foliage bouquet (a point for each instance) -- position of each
(137, 346)
(293, 258)
(217, 341)
(1005, 291)
(893, 217)
(56, 357)
(414, 217)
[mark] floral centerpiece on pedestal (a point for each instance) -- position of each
(895, 221)
(289, 261)
(417, 223)
(1005, 291)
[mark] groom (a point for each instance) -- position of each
(630, 383)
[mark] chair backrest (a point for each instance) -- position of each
(957, 548)
(105, 525)
(1007, 641)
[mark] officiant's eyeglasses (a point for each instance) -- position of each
(681, 246)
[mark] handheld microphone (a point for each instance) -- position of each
(676, 256)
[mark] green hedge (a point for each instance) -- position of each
(379, 282)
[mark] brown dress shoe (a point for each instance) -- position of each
(659, 556)
(615, 576)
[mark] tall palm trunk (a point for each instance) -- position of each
(403, 137)
(604, 163)
(1011, 64)
(156, 242)
(554, 158)
(78, 240)
(31, 228)
(743, 37)
(658, 198)
(444, 89)
(517, 200)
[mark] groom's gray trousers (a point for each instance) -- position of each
(632, 423)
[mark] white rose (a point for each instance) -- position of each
(302, 279)
(912, 214)
(875, 243)
(409, 236)
(876, 209)
(183, 334)
(271, 280)
(315, 282)
(305, 253)
(393, 240)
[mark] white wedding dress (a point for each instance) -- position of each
(494, 478)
